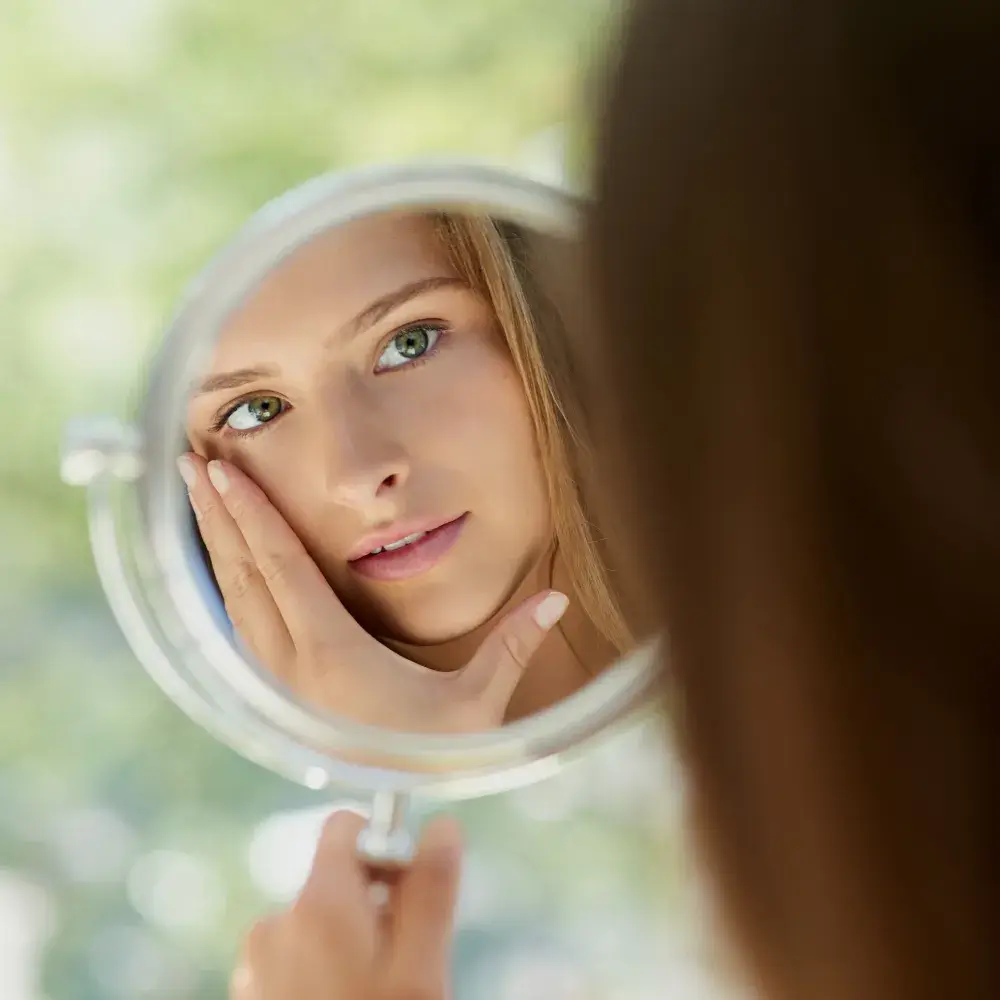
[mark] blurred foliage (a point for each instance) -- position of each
(135, 137)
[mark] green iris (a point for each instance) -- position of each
(264, 408)
(412, 343)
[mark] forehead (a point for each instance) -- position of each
(329, 281)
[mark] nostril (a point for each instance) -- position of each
(389, 482)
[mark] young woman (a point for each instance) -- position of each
(395, 455)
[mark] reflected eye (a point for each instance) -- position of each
(408, 345)
(255, 412)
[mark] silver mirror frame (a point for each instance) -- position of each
(146, 552)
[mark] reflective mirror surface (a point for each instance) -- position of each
(385, 463)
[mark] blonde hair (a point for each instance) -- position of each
(496, 261)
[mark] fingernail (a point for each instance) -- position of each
(551, 610)
(218, 476)
(187, 470)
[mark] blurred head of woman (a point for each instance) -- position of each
(795, 254)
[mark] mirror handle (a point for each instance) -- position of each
(386, 843)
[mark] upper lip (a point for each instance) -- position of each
(397, 531)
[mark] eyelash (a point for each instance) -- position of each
(219, 424)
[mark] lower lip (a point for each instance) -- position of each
(413, 559)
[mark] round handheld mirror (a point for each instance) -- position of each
(342, 532)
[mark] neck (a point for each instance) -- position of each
(571, 654)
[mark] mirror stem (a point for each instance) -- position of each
(386, 843)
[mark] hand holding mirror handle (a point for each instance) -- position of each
(336, 940)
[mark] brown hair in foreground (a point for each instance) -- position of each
(796, 252)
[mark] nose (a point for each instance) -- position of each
(365, 464)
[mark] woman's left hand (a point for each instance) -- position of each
(336, 943)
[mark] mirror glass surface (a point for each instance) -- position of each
(386, 462)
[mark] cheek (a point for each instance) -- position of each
(199, 443)
(277, 470)
(475, 420)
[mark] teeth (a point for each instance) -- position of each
(392, 546)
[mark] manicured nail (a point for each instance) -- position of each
(187, 470)
(551, 610)
(218, 476)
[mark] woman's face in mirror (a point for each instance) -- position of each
(371, 394)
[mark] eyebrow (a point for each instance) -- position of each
(369, 316)
(385, 304)
(235, 379)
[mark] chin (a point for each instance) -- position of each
(437, 622)
(434, 630)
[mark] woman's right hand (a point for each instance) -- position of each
(336, 943)
(286, 612)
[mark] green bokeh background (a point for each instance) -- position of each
(135, 137)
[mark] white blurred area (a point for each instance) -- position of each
(282, 848)
(543, 156)
(27, 919)
(176, 891)
(125, 34)
(91, 845)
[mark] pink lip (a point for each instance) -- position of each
(412, 559)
